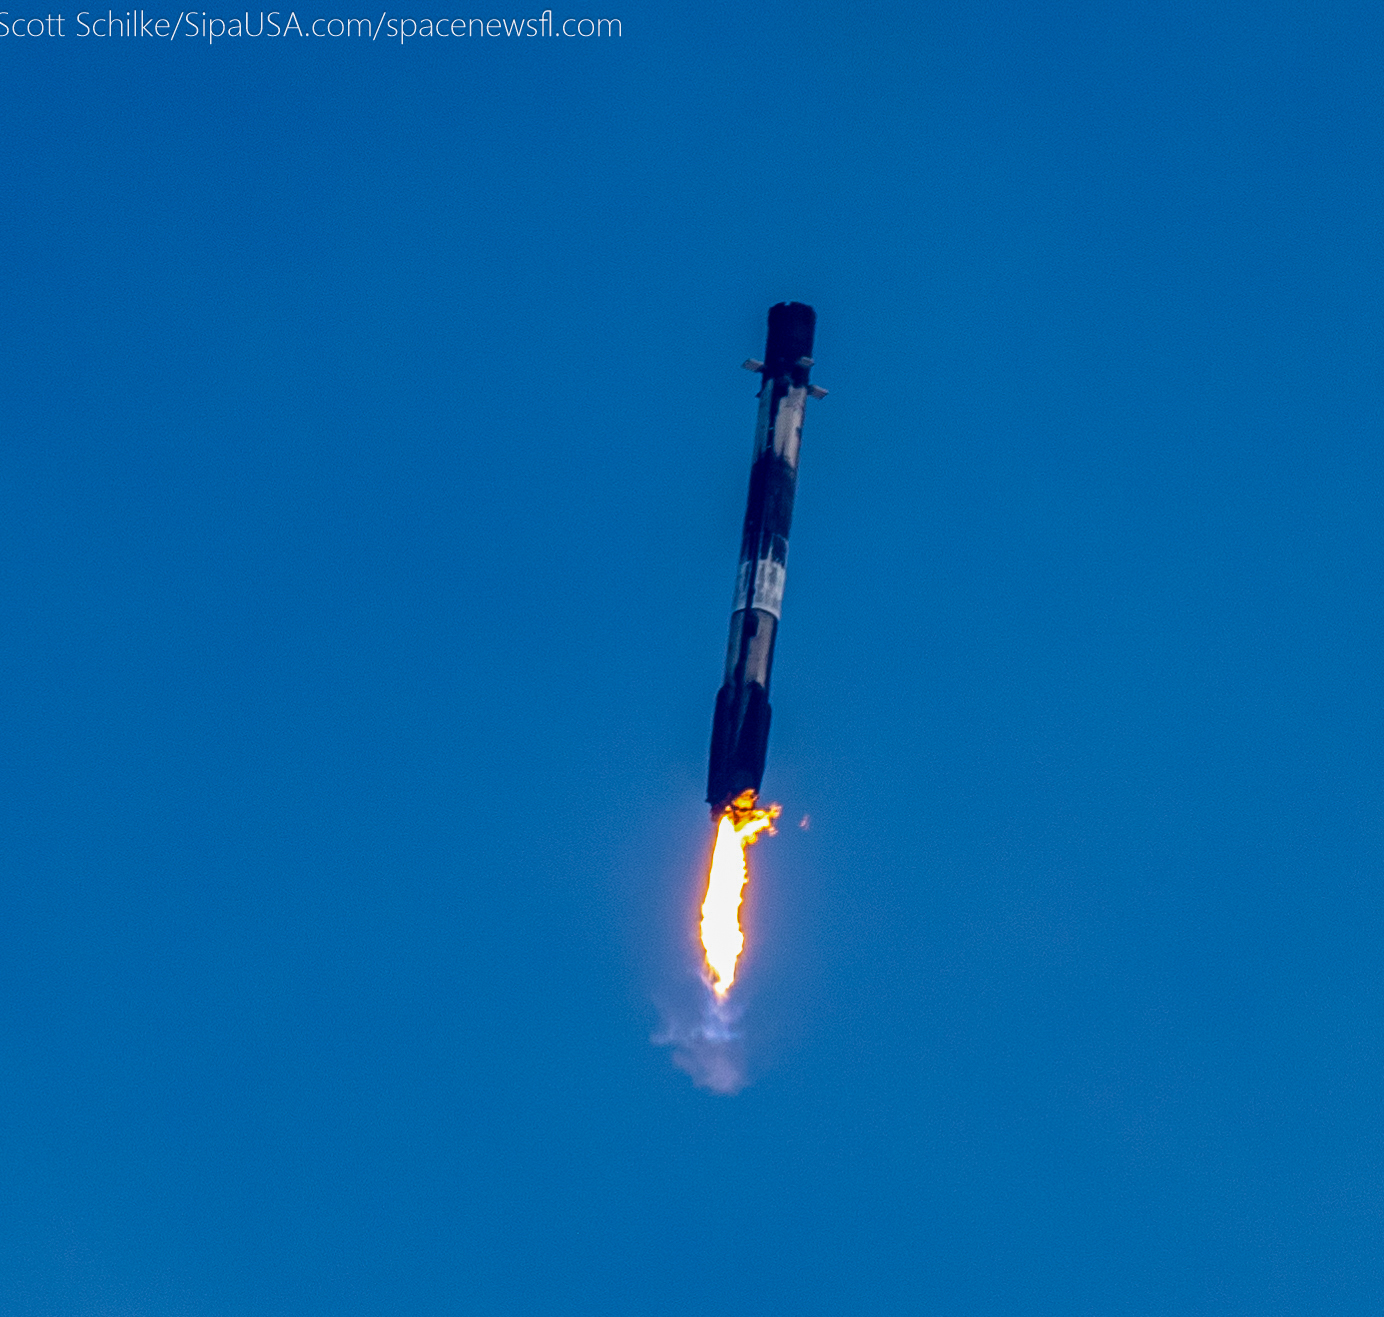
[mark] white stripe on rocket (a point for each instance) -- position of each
(788, 425)
(769, 578)
(768, 586)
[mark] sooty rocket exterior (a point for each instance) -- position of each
(740, 727)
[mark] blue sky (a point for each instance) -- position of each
(374, 458)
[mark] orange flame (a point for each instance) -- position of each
(722, 939)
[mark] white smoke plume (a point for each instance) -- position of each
(709, 1049)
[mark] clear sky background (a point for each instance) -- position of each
(374, 456)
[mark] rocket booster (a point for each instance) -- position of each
(740, 727)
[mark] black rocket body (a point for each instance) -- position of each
(740, 726)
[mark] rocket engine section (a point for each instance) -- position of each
(740, 727)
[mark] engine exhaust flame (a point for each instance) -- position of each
(722, 939)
